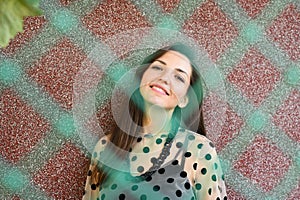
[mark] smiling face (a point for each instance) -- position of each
(166, 81)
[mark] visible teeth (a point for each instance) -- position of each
(157, 88)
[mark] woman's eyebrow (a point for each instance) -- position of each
(180, 70)
(177, 69)
(162, 62)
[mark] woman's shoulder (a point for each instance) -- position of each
(102, 143)
(198, 142)
(193, 136)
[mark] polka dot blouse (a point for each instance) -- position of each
(191, 171)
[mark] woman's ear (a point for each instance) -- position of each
(183, 102)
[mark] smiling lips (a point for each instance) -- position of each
(159, 89)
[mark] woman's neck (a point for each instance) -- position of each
(156, 119)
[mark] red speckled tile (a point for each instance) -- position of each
(64, 175)
(287, 117)
(105, 117)
(295, 194)
(32, 25)
(254, 76)
(15, 197)
(86, 80)
(253, 7)
(168, 5)
(66, 2)
(21, 127)
(102, 118)
(233, 195)
(231, 128)
(123, 44)
(229, 122)
(285, 30)
(263, 163)
(55, 71)
(92, 125)
(112, 17)
(210, 26)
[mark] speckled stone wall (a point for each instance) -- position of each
(255, 48)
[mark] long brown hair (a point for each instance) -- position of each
(191, 116)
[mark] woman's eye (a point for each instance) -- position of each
(156, 67)
(181, 79)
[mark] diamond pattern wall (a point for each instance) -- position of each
(253, 8)
(263, 163)
(65, 170)
(285, 31)
(32, 25)
(211, 28)
(21, 127)
(55, 71)
(254, 76)
(287, 116)
(168, 5)
(255, 45)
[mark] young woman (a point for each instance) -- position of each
(153, 154)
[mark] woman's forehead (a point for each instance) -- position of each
(177, 55)
(176, 59)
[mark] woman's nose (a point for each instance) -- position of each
(165, 78)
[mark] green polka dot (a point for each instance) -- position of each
(95, 154)
(214, 178)
(64, 21)
(252, 32)
(134, 187)
(156, 188)
(10, 72)
(133, 158)
(102, 196)
(140, 169)
(143, 197)
(257, 120)
(158, 141)
(198, 186)
(199, 146)
(215, 166)
(292, 75)
(14, 180)
(146, 149)
(191, 137)
(179, 144)
(114, 186)
(208, 156)
(65, 125)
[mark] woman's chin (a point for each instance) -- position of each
(160, 105)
